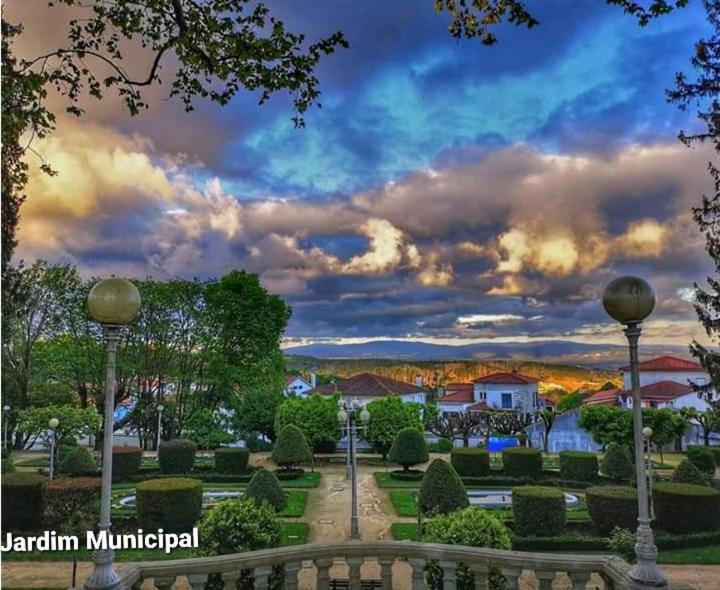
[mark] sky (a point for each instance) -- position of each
(445, 191)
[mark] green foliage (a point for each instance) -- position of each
(388, 416)
(315, 416)
(606, 425)
(617, 463)
(77, 461)
(176, 455)
(291, 448)
(472, 527)
(73, 422)
(538, 511)
(611, 507)
(264, 487)
(205, 427)
(622, 542)
(686, 508)
(8, 465)
(409, 448)
(126, 462)
(443, 445)
(22, 500)
(470, 462)
(441, 491)
(522, 462)
(68, 501)
(687, 472)
(173, 504)
(256, 409)
(578, 466)
(572, 401)
(231, 460)
(703, 459)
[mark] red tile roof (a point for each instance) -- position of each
(666, 363)
(607, 397)
(509, 378)
(662, 391)
(458, 386)
(368, 385)
(478, 407)
(290, 378)
(463, 396)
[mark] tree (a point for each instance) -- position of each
(441, 491)
(663, 425)
(291, 448)
(315, 416)
(208, 429)
(254, 412)
(547, 417)
(605, 424)
(409, 448)
(388, 416)
(264, 487)
(72, 422)
(709, 421)
(456, 424)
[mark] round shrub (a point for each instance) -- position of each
(470, 462)
(617, 463)
(522, 462)
(173, 504)
(611, 507)
(409, 475)
(231, 460)
(77, 461)
(444, 445)
(538, 511)
(441, 490)
(409, 448)
(76, 498)
(22, 500)
(578, 466)
(291, 448)
(265, 487)
(686, 508)
(703, 459)
(686, 472)
(126, 462)
(177, 455)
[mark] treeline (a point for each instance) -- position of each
(194, 347)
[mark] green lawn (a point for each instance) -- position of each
(296, 504)
(709, 555)
(404, 503)
(294, 533)
(385, 480)
(404, 531)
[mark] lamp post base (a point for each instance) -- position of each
(646, 572)
(103, 576)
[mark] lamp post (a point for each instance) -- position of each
(53, 423)
(6, 415)
(348, 419)
(629, 300)
(647, 435)
(113, 303)
(160, 408)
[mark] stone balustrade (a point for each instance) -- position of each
(309, 566)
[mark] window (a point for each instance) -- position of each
(507, 401)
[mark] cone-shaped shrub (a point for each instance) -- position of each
(686, 472)
(177, 455)
(617, 463)
(409, 448)
(265, 487)
(77, 461)
(538, 511)
(469, 462)
(703, 459)
(291, 448)
(441, 490)
(522, 462)
(611, 507)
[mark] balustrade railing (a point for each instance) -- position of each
(398, 565)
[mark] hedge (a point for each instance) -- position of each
(687, 472)
(409, 475)
(68, 498)
(77, 461)
(443, 445)
(578, 466)
(231, 460)
(702, 458)
(441, 490)
(612, 506)
(522, 462)
(538, 510)
(22, 500)
(126, 462)
(470, 462)
(176, 455)
(716, 454)
(264, 487)
(409, 448)
(686, 508)
(173, 504)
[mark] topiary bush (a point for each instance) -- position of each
(291, 448)
(67, 497)
(22, 500)
(443, 445)
(473, 527)
(686, 508)
(231, 460)
(612, 507)
(441, 490)
(686, 472)
(265, 487)
(703, 459)
(409, 448)
(126, 462)
(77, 461)
(617, 463)
(470, 462)
(538, 511)
(173, 504)
(177, 455)
(578, 466)
(522, 462)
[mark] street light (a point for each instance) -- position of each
(113, 303)
(348, 420)
(6, 415)
(629, 300)
(647, 435)
(160, 408)
(53, 423)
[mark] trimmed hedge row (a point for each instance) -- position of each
(126, 462)
(75, 496)
(538, 510)
(686, 508)
(177, 455)
(522, 462)
(173, 504)
(409, 475)
(578, 466)
(612, 506)
(469, 462)
(22, 500)
(231, 460)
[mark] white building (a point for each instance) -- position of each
(296, 385)
(499, 391)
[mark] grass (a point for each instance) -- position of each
(385, 480)
(709, 555)
(404, 503)
(296, 504)
(294, 533)
(404, 531)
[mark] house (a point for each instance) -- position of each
(565, 435)
(367, 387)
(499, 391)
(296, 385)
